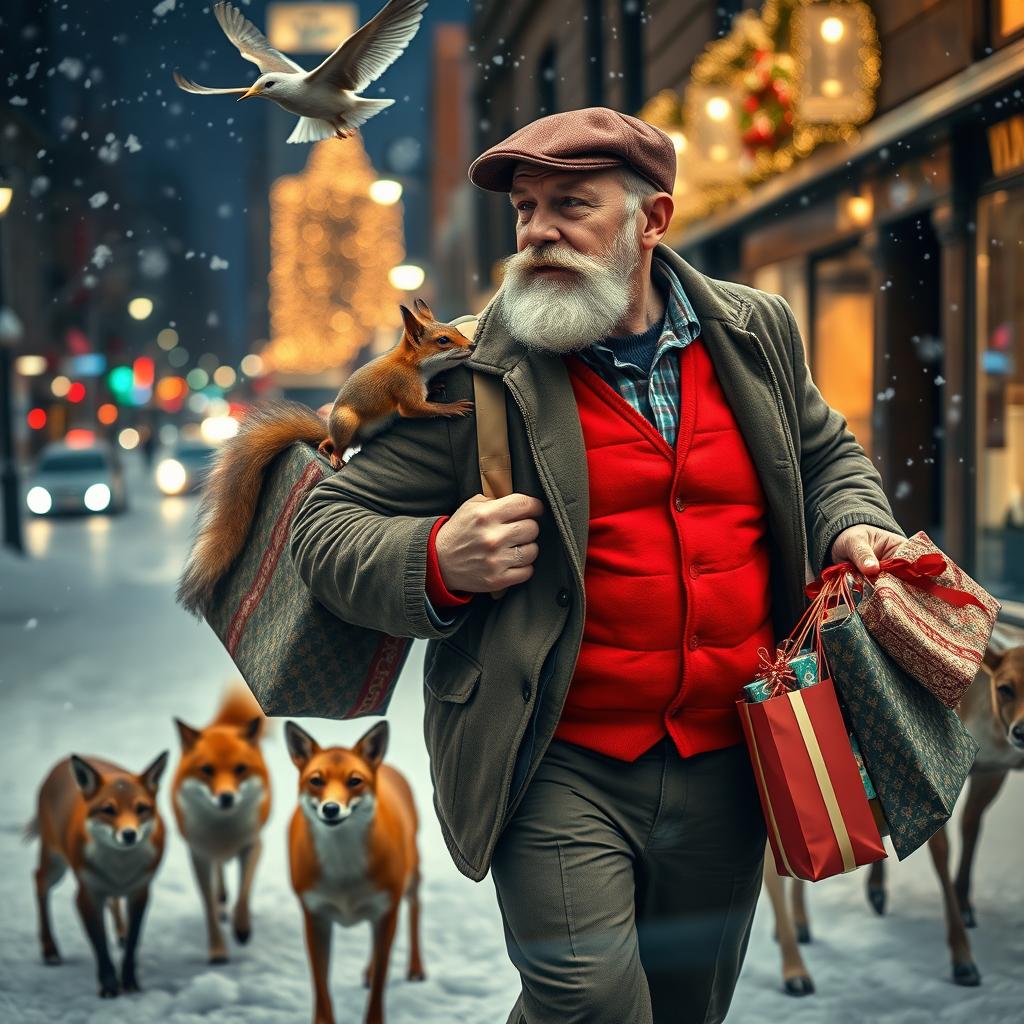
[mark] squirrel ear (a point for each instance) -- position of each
(413, 327)
(423, 309)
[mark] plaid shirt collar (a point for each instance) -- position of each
(680, 327)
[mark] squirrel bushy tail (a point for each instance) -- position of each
(232, 490)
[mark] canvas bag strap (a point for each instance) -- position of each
(491, 428)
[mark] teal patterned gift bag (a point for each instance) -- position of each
(917, 750)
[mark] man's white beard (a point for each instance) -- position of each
(568, 312)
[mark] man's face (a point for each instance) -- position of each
(577, 250)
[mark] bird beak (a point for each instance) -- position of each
(253, 91)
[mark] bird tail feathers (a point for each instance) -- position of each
(311, 129)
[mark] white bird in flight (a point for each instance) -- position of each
(325, 98)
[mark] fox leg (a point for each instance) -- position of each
(383, 936)
(204, 871)
(90, 909)
(241, 921)
(137, 903)
(982, 790)
(115, 913)
(416, 972)
(50, 871)
(318, 945)
(796, 979)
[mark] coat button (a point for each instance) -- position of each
(527, 693)
(563, 597)
(694, 642)
(694, 570)
(679, 504)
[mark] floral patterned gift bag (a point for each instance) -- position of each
(917, 750)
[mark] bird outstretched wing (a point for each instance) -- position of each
(373, 48)
(205, 90)
(251, 42)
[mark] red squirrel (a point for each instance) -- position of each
(394, 383)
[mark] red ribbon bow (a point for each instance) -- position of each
(775, 670)
(920, 572)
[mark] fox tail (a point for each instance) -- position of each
(232, 490)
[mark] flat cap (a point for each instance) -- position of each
(588, 139)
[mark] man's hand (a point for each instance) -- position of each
(865, 546)
(475, 548)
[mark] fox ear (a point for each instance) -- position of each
(150, 775)
(413, 327)
(187, 733)
(301, 745)
(86, 776)
(251, 730)
(423, 309)
(990, 660)
(373, 744)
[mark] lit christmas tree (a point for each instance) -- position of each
(331, 249)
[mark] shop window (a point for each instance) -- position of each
(1000, 405)
(842, 362)
(1009, 18)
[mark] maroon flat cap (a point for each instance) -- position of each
(580, 140)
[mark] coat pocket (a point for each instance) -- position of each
(450, 678)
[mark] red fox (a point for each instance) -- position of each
(102, 821)
(393, 383)
(353, 856)
(221, 799)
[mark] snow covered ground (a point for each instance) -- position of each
(96, 657)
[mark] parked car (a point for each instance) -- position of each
(77, 478)
(185, 467)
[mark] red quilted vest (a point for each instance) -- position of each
(676, 574)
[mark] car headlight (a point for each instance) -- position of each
(97, 497)
(171, 476)
(38, 500)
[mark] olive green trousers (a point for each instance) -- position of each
(627, 889)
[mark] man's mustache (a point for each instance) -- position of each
(552, 256)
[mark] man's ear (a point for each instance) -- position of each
(659, 210)
(413, 327)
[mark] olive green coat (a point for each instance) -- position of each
(359, 540)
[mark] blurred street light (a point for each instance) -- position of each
(10, 334)
(385, 191)
(406, 276)
(140, 307)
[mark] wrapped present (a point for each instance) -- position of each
(930, 616)
(917, 750)
(805, 672)
(296, 656)
(819, 820)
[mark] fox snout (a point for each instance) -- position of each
(127, 836)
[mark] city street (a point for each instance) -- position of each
(97, 658)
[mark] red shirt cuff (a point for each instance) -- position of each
(440, 596)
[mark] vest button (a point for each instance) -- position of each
(694, 570)
(679, 504)
(693, 642)
(563, 597)
(527, 693)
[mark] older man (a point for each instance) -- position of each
(676, 470)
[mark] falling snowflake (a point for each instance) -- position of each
(98, 199)
(101, 256)
(216, 263)
(939, 379)
(71, 68)
(39, 186)
(132, 144)
(19, 101)
(163, 7)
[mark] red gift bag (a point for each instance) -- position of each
(820, 822)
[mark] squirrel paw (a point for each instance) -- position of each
(463, 407)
